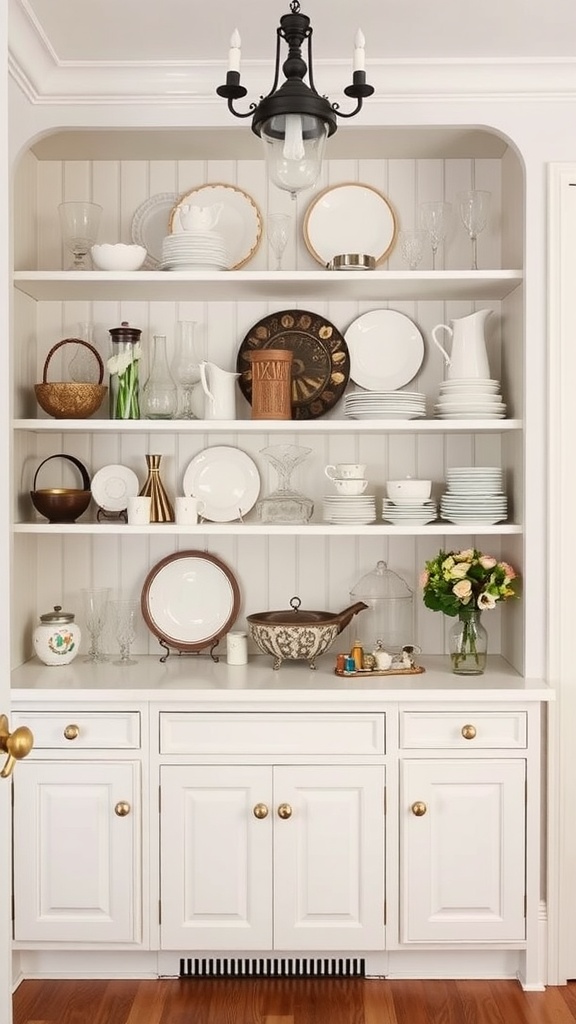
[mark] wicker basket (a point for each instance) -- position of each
(70, 400)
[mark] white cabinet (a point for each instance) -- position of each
(273, 857)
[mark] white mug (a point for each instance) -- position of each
(139, 510)
(350, 487)
(345, 471)
(236, 648)
(187, 510)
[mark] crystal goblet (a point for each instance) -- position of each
(435, 218)
(124, 617)
(79, 223)
(474, 207)
(412, 246)
(95, 613)
(278, 230)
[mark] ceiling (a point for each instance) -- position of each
(186, 30)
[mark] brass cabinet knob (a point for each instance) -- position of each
(419, 808)
(469, 732)
(71, 732)
(260, 811)
(284, 811)
(122, 808)
(16, 744)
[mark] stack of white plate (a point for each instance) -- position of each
(474, 495)
(470, 398)
(194, 250)
(384, 405)
(349, 511)
(409, 510)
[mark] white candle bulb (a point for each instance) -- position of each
(234, 51)
(359, 52)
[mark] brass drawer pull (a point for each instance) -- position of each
(469, 732)
(72, 732)
(419, 808)
(260, 811)
(122, 808)
(284, 811)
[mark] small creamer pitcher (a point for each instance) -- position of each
(220, 389)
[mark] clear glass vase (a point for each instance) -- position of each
(468, 643)
(160, 394)
(124, 392)
(285, 504)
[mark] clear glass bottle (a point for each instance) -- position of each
(160, 394)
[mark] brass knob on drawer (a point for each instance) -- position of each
(71, 732)
(469, 732)
(419, 808)
(260, 811)
(122, 808)
(284, 811)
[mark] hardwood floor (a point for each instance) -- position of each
(290, 1001)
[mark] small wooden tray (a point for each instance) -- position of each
(416, 671)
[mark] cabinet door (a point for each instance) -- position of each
(216, 857)
(77, 852)
(329, 857)
(462, 851)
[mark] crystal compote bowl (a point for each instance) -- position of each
(285, 504)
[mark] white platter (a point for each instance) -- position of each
(239, 223)
(227, 481)
(111, 487)
(150, 226)
(386, 349)
(349, 218)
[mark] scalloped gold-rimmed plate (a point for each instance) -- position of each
(239, 223)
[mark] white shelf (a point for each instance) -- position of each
(247, 285)
(321, 426)
(260, 530)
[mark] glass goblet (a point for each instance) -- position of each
(79, 223)
(278, 230)
(474, 207)
(95, 613)
(124, 617)
(412, 246)
(435, 218)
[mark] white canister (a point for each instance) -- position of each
(237, 648)
(57, 639)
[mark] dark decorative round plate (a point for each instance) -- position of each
(320, 365)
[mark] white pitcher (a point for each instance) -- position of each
(468, 356)
(220, 390)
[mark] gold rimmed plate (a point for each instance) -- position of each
(350, 218)
(239, 222)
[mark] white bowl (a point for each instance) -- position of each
(408, 488)
(118, 256)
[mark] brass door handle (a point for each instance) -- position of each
(260, 811)
(71, 732)
(284, 811)
(469, 732)
(16, 744)
(419, 808)
(122, 808)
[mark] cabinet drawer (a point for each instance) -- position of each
(271, 734)
(468, 729)
(81, 730)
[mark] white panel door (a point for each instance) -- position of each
(216, 857)
(76, 852)
(462, 851)
(329, 857)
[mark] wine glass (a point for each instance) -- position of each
(79, 223)
(435, 218)
(186, 368)
(278, 232)
(95, 612)
(412, 246)
(124, 616)
(474, 206)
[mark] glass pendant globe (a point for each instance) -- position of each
(293, 149)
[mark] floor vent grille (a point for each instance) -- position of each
(276, 967)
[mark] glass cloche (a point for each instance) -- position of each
(389, 617)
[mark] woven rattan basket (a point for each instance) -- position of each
(70, 399)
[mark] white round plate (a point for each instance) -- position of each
(112, 486)
(386, 349)
(226, 480)
(349, 218)
(190, 600)
(150, 226)
(239, 223)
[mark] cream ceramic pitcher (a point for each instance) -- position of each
(220, 389)
(468, 356)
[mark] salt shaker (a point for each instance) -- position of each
(237, 648)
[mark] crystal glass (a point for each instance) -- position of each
(435, 219)
(468, 643)
(124, 615)
(285, 504)
(278, 229)
(186, 368)
(79, 223)
(159, 395)
(412, 246)
(474, 207)
(95, 613)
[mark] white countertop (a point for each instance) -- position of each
(200, 679)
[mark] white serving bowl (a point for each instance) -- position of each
(408, 488)
(118, 256)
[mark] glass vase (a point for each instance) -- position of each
(124, 372)
(468, 643)
(161, 510)
(160, 394)
(285, 504)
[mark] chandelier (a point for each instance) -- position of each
(293, 119)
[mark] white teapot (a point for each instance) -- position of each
(200, 218)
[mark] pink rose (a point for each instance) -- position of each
(462, 589)
(508, 571)
(424, 577)
(487, 562)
